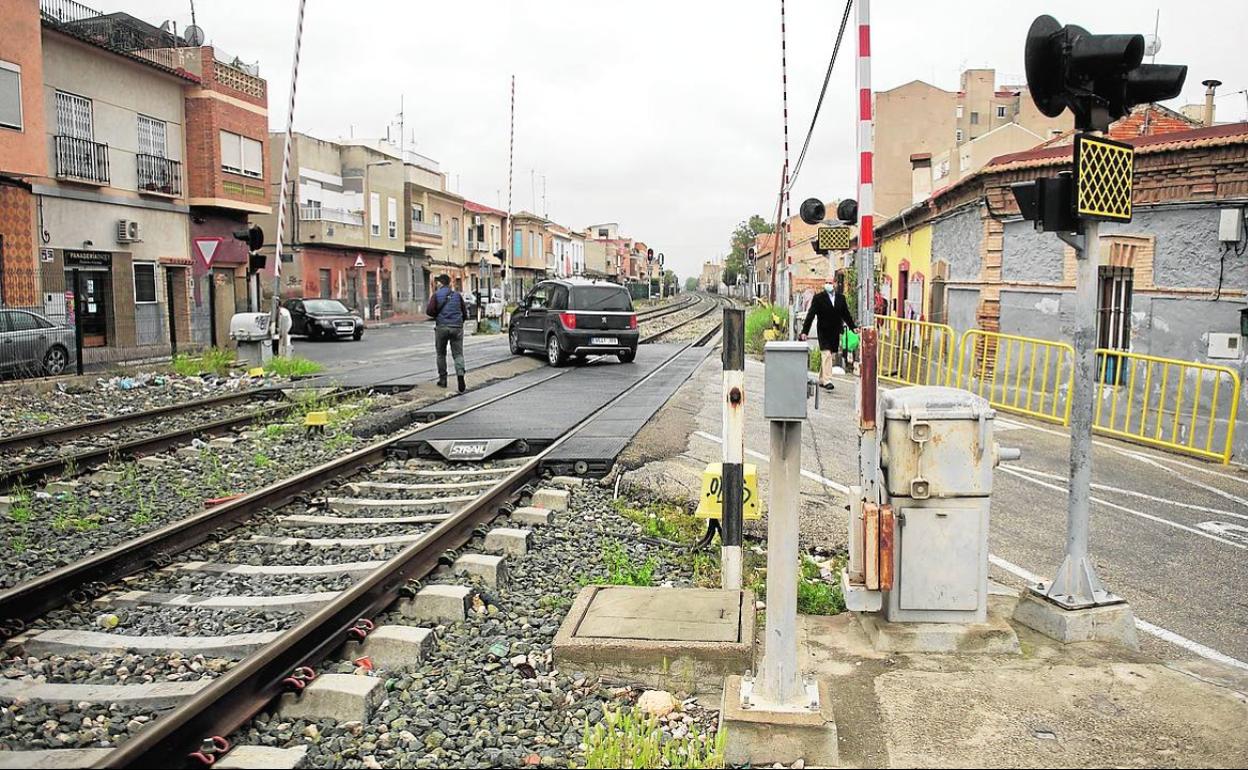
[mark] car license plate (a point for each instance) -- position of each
(604, 341)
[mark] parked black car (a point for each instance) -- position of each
(323, 319)
(575, 317)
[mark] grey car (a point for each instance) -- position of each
(31, 344)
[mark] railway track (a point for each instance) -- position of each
(705, 306)
(346, 517)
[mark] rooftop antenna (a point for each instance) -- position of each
(1152, 43)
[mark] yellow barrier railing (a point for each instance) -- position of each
(915, 352)
(1167, 403)
(1026, 375)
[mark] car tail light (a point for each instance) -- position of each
(632, 321)
(568, 320)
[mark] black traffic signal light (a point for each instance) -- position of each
(501, 254)
(253, 236)
(1099, 78)
(812, 211)
(847, 210)
(1049, 202)
(649, 255)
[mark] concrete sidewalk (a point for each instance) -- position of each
(1181, 701)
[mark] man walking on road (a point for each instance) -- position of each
(832, 311)
(446, 307)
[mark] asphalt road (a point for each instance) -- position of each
(395, 355)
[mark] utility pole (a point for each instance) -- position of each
(509, 237)
(274, 320)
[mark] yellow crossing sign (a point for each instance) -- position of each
(711, 503)
(834, 238)
(1104, 172)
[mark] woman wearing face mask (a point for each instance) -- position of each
(832, 311)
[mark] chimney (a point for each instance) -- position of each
(920, 176)
(1210, 87)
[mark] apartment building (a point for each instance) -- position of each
(485, 240)
(434, 243)
(559, 249)
(959, 131)
(345, 226)
(114, 213)
(577, 254)
(528, 252)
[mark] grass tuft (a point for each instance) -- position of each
(629, 738)
(621, 571)
(294, 366)
(212, 361)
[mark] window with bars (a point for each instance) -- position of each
(392, 211)
(151, 136)
(73, 116)
(1000, 111)
(418, 213)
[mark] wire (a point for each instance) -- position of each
(797, 167)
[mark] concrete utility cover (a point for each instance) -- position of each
(663, 614)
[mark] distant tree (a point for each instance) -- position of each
(742, 239)
(691, 284)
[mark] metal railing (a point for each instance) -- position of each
(427, 228)
(339, 216)
(66, 11)
(81, 159)
(1025, 375)
(1158, 401)
(916, 352)
(159, 175)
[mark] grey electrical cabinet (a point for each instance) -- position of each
(784, 380)
(937, 457)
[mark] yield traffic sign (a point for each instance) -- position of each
(206, 248)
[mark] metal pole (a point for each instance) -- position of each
(1076, 584)
(173, 316)
(732, 477)
(212, 309)
(781, 682)
(281, 204)
(868, 436)
(510, 237)
(78, 304)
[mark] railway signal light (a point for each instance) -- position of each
(1048, 202)
(847, 210)
(812, 211)
(253, 236)
(1099, 78)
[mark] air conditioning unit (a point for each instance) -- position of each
(128, 231)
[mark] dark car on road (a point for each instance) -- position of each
(319, 319)
(575, 317)
(32, 344)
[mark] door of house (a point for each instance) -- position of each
(91, 306)
(326, 281)
(1113, 328)
(386, 305)
(353, 290)
(370, 279)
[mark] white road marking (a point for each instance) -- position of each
(1166, 635)
(1235, 531)
(1125, 509)
(829, 483)
(1220, 493)
(1000, 425)
(1119, 490)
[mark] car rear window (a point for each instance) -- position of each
(601, 298)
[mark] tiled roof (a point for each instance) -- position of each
(478, 208)
(1209, 136)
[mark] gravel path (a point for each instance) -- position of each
(472, 703)
(68, 726)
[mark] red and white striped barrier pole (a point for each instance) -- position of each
(868, 443)
(283, 191)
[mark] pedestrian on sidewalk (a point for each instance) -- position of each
(447, 308)
(832, 311)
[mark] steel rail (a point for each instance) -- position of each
(90, 458)
(105, 424)
(77, 581)
(659, 312)
(232, 699)
(715, 305)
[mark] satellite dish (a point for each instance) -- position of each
(1152, 44)
(1042, 61)
(194, 36)
(812, 211)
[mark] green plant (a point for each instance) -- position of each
(815, 362)
(17, 544)
(554, 602)
(759, 321)
(261, 460)
(294, 366)
(212, 361)
(276, 430)
(816, 596)
(663, 520)
(629, 738)
(621, 571)
(706, 572)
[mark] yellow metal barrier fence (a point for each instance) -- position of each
(1158, 401)
(916, 352)
(1029, 376)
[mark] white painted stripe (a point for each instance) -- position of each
(1166, 635)
(829, 483)
(1220, 493)
(1125, 509)
(1119, 490)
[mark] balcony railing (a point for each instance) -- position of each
(159, 175)
(81, 159)
(478, 246)
(425, 228)
(339, 216)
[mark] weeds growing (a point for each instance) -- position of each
(628, 738)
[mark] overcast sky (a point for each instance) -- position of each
(662, 115)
